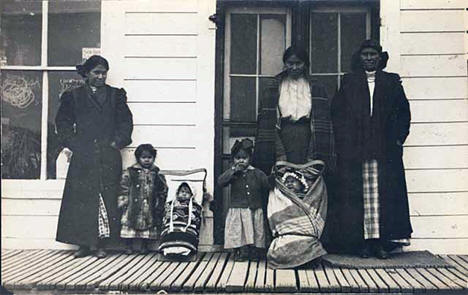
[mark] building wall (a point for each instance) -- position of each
(427, 46)
(162, 53)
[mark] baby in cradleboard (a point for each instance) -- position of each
(244, 231)
(142, 197)
(182, 221)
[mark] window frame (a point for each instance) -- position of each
(41, 187)
(227, 51)
(339, 11)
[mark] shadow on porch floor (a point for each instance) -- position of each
(56, 271)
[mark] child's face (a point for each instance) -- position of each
(293, 184)
(146, 159)
(184, 193)
(241, 159)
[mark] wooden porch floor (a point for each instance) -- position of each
(57, 271)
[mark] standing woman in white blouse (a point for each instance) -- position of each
(371, 120)
(294, 121)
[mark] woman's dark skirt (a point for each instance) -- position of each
(295, 137)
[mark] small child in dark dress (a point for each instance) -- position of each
(142, 198)
(245, 227)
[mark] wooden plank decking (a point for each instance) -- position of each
(36, 271)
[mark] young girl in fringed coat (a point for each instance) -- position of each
(245, 228)
(142, 198)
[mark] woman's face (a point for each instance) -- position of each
(295, 67)
(97, 76)
(370, 59)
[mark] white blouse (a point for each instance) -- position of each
(371, 84)
(295, 99)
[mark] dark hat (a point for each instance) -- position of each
(371, 43)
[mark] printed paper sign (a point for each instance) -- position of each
(87, 52)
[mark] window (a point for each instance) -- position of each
(334, 36)
(42, 41)
(254, 46)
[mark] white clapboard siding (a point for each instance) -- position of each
(437, 180)
(435, 87)
(169, 158)
(440, 245)
(34, 227)
(433, 43)
(433, 65)
(438, 134)
(162, 6)
(31, 207)
(452, 226)
(432, 20)
(429, 204)
(432, 4)
(439, 111)
(431, 157)
(163, 113)
(161, 68)
(156, 90)
(164, 136)
(175, 46)
(27, 189)
(162, 23)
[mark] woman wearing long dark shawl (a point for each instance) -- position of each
(371, 119)
(94, 122)
(294, 121)
(294, 125)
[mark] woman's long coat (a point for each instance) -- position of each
(350, 110)
(88, 128)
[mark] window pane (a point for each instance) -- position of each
(59, 82)
(353, 32)
(329, 82)
(73, 25)
(21, 124)
(272, 43)
(243, 100)
(21, 24)
(243, 43)
(324, 42)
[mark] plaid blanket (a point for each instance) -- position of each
(296, 220)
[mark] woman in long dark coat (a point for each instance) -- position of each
(294, 121)
(94, 122)
(371, 120)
